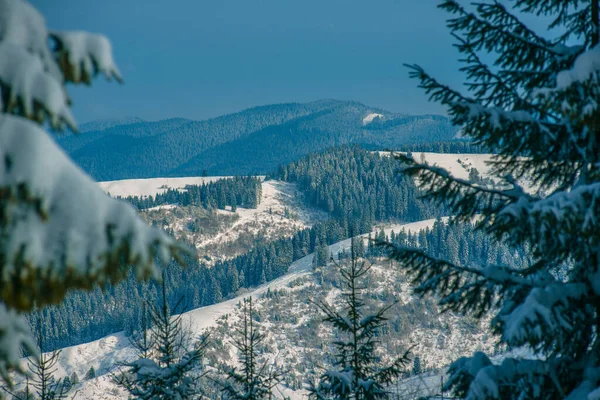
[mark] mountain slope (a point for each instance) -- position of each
(105, 354)
(252, 141)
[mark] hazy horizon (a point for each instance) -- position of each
(199, 60)
(151, 119)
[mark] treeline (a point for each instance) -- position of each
(353, 184)
(460, 244)
(453, 146)
(239, 191)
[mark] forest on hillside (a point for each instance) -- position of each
(353, 177)
(239, 191)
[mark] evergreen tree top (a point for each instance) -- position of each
(535, 105)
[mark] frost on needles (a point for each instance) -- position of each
(58, 230)
(536, 106)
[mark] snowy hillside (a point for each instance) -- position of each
(106, 353)
(475, 167)
(369, 118)
(280, 213)
(458, 165)
(152, 186)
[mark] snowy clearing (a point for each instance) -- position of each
(456, 163)
(269, 217)
(369, 118)
(153, 186)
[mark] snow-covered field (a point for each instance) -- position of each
(152, 186)
(104, 354)
(369, 118)
(451, 162)
(269, 217)
(457, 164)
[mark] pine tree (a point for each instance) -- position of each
(42, 384)
(252, 381)
(536, 107)
(358, 373)
(416, 366)
(90, 374)
(166, 365)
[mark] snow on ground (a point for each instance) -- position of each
(281, 213)
(269, 217)
(152, 186)
(204, 317)
(104, 354)
(457, 164)
(458, 169)
(369, 118)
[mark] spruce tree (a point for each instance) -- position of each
(253, 380)
(535, 105)
(166, 365)
(358, 373)
(90, 374)
(42, 383)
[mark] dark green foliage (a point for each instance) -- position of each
(453, 146)
(536, 105)
(91, 374)
(252, 141)
(460, 243)
(357, 186)
(358, 373)
(416, 366)
(242, 191)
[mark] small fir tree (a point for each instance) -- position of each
(166, 366)
(253, 380)
(42, 383)
(358, 373)
(91, 374)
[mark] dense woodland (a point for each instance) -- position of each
(254, 141)
(452, 146)
(357, 185)
(239, 191)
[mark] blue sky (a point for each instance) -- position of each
(202, 58)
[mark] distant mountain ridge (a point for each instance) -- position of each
(255, 140)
